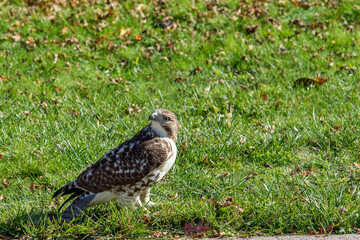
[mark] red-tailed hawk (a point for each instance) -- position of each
(128, 172)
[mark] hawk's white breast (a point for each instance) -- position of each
(165, 167)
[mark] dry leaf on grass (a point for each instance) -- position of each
(306, 82)
(352, 70)
(206, 159)
(2, 237)
(298, 23)
(195, 71)
(298, 171)
(251, 29)
(81, 85)
(180, 79)
(138, 37)
(336, 128)
(166, 23)
(3, 78)
(5, 183)
(263, 96)
(198, 228)
(251, 175)
(357, 165)
(146, 219)
(183, 147)
(267, 165)
(320, 80)
(158, 234)
(222, 175)
(36, 187)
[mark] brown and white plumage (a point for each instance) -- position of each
(128, 172)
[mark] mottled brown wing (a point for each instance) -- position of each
(124, 166)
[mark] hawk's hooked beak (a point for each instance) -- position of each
(153, 116)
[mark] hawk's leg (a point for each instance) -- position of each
(145, 197)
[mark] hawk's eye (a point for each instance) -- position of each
(166, 118)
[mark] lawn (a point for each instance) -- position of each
(266, 92)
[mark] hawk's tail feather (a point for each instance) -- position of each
(68, 189)
(77, 206)
(69, 199)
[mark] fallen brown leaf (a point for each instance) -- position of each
(5, 183)
(228, 201)
(298, 23)
(320, 80)
(64, 30)
(298, 171)
(282, 48)
(277, 103)
(357, 165)
(263, 96)
(36, 187)
(166, 23)
(180, 79)
(253, 174)
(195, 71)
(267, 165)
(183, 147)
(222, 175)
(304, 82)
(16, 37)
(239, 208)
(176, 195)
(301, 3)
(146, 219)
(158, 234)
(79, 84)
(2, 237)
(198, 228)
(138, 37)
(1, 198)
(251, 29)
(352, 70)
(259, 124)
(336, 128)
(217, 234)
(243, 87)
(307, 173)
(3, 78)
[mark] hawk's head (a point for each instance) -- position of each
(165, 123)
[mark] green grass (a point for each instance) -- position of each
(60, 110)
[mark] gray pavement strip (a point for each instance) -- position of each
(309, 237)
(298, 237)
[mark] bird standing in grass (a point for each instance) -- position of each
(128, 172)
